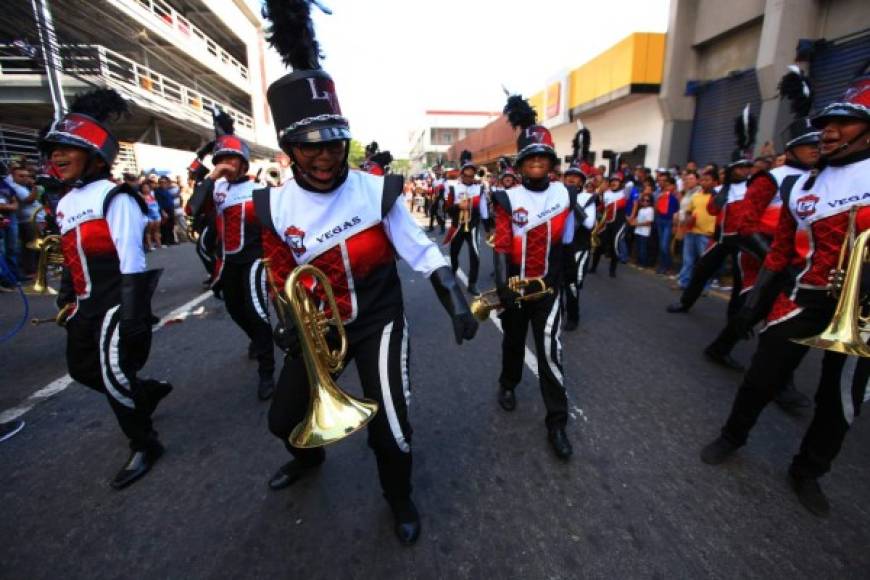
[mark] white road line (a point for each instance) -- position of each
(58, 385)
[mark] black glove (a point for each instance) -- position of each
(134, 326)
(451, 297)
(287, 339)
(506, 296)
(760, 300)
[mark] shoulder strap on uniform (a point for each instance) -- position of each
(124, 189)
(500, 198)
(263, 207)
(572, 195)
(786, 187)
(393, 184)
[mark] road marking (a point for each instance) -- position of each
(58, 385)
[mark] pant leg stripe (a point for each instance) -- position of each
(581, 258)
(551, 334)
(113, 378)
(406, 380)
(253, 278)
(846, 396)
(386, 394)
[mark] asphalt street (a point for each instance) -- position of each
(634, 502)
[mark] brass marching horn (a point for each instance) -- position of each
(60, 318)
(332, 414)
(50, 254)
(489, 300)
(843, 333)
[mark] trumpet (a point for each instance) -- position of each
(332, 414)
(60, 319)
(489, 300)
(843, 333)
(50, 254)
(595, 235)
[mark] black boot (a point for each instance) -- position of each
(810, 494)
(559, 442)
(718, 451)
(507, 398)
(138, 464)
(677, 307)
(266, 387)
(723, 359)
(407, 520)
(472, 289)
(290, 473)
(792, 400)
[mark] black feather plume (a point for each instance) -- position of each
(580, 144)
(382, 158)
(292, 33)
(745, 128)
(223, 123)
(519, 112)
(465, 157)
(372, 148)
(100, 104)
(795, 87)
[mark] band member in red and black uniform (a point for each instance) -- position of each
(812, 229)
(435, 199)
(239, 276)
(728, 201)
(200, 207)
(377, 162)
(613, 202)
(467, 207)
(533, 224)
(762, 205)
(577, 253)
(352, 226)
(106, 287)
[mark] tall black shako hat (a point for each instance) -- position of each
(84, 126)
(580, 146)
(465, 160)
(533, 139)
(304, 103)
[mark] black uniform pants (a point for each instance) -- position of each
(93, 359)
(706, 267)
(838, 398)
(456, 244)
(436, 212)
(206, 247)
(545, 318)
(576, 265)
(245, 295)
(609, 243)
(382, 365)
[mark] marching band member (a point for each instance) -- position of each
(436, 199)
(239, 277)
(352, 226)
(105, 289)
(761, 209)
(577, 254)
(467, 206)
(613, 202)
(812, 230)
(533, 224)
(377, 162)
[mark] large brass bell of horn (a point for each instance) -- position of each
(332, 414)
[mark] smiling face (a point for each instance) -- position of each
(536, 166)
(321, 163)
(70, 162)
(841, 136)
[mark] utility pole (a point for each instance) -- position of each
(50, 55)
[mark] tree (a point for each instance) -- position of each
(357, 153)
(401, 166)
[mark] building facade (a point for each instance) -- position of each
(721, 56)
(174, 61)
(438, 130)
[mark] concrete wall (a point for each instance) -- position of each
(715, 17)
(732, 51)
(622, 127)
(838, 18)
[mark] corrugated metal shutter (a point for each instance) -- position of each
(834, 64)
(717, 104)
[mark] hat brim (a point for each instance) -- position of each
(808, 139)
(318, 134)
(840, 111)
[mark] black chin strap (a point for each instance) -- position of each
(306, 180)
(852, 157)
(536, 184)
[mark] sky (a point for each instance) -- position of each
(394, 59)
